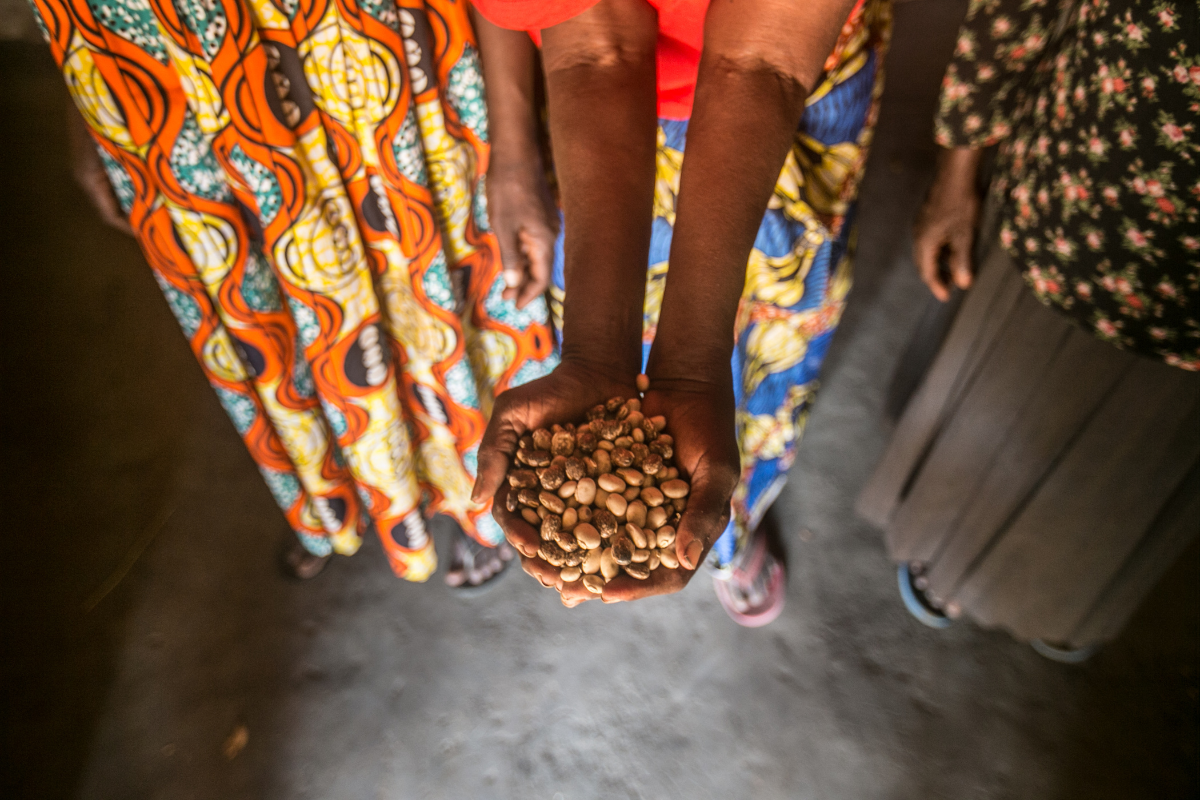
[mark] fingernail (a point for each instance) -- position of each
(512, 278)
(693, 554)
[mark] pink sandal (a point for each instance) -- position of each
(753, 588)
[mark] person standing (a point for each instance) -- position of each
(304, 181)
(1047, 470)
(708, 157)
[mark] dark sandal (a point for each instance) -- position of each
(300, 564)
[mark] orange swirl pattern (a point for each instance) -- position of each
(304, 177)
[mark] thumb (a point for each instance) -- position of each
(960, 262)
(704, 519)
(512, 260)
(498, 445)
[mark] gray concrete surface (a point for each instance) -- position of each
(356, 685)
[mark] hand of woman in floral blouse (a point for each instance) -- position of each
(947, 221)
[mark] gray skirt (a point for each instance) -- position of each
(1044, 479)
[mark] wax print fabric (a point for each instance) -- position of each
(1095, 105)
(799, 271)
(304, 178)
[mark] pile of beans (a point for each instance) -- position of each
(604, 494)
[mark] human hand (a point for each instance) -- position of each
(564, 395)
(700, 419)
(947, 219)
(89, 173)
(525, 222)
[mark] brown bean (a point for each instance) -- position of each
(574, 558)
(664, 450)
(641, 556)
(525, 442)
(653, 497)
(531, 516)
(528, 497)
(536, 458)
(638, 435)
(551, 525)
(552, 554)
(541, 511)
(635, 419)
(637, 571)
(631, 494)
(585, 441)
(636, 513)
(675, 489)
(622, 457)
(636, 535)
(659, 423)
(575, 468)
(616, 504)
(606, 446)
(591, 562)
(511, 503)
(631, 476)
(609, 429)
(565, 540)
(601, 498)
(664, 536)
(552, 477)
(611, 483)
(542, 439)
(594, 583)
(592, 468)
(562, 444)
(681, 504)
(567, 490)
(654, 560)
(608, 567)
(622, 550)
(585, 491)
(585, 513)
(605, 522)
(668, 558)
(570, 574)
(623, 442)
(522, 479)
(613, 404)
(587, 536)
(570, 519)
(633, 403)
(596, 412)
(652, 464)
(655, 517)
(552, 502)
(603, 461)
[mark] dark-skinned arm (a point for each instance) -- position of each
(520, 208)
(601, 94)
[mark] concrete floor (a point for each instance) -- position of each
(357, 685)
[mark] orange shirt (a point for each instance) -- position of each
(680, 39)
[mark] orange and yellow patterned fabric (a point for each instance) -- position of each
(305, 180)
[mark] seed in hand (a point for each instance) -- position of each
(603, 494)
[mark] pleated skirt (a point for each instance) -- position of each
(1043, 479)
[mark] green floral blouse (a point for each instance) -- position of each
(1094, 104)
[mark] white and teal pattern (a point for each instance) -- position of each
(464, 90)
(262, 183)
(133, 21)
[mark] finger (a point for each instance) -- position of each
(519, 533)
(926, 247)
(575, 592)
(512, 261)
(499, 443)
(960, 261)
(623, 589)
(705, 518)
(543, 573)
(538, 248)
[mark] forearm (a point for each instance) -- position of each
(761, 59)
(509, 60)
(738, 139)
(601, 93)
